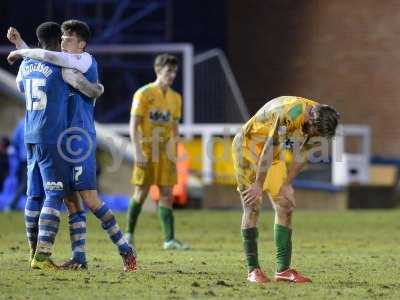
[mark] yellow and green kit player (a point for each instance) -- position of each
(155, 114)
(258, 151)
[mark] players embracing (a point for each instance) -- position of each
(71, 116)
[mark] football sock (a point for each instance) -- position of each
(283, 245)
(49, 221)
(250, 236)
(33, 207)
(290, 248)
(109, 224)
(133, 213)
(167, 222)
(77, 232)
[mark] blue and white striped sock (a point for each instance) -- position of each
(109, 224)
(49, 221)
(77, 232)
(33, 207)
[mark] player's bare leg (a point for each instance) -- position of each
(283, 241)
(77, 231)
(250, 235)
(109, 224)
(165, 211)
(140, 193)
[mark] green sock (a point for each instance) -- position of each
(290, 248)
(283, 247)
(167, 222)
(250, 236)
(133, 213)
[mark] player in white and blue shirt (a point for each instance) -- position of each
(46, 96)
(46, 119)
(74, 39)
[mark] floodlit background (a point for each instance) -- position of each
(234, 56)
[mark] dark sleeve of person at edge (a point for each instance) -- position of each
(20, 153)
(4, 165)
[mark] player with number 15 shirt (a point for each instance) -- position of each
(46, 101)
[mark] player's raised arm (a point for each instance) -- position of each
(79, 82)
(14, 37)
(80, 62)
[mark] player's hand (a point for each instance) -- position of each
(13, 36)
(140, 160)
(101, 88)
(13, 57)
(287, 192)
(140, 164)
(252, 195)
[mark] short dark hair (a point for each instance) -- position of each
(81, 29)
(165, 59)
(327, 120)
(48, 33)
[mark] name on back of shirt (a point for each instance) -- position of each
(37, 67)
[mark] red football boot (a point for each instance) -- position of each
(129, 260)
(257, 276)
(291, 275)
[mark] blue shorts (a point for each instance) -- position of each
(48, 172)
(34, 179)
(82, 157)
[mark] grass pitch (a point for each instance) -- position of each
(349, 255)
